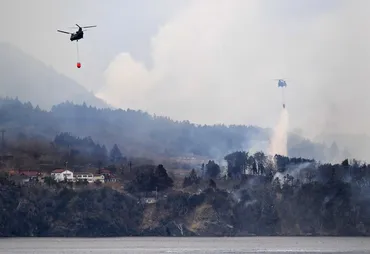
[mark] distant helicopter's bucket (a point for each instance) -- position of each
(78, 65)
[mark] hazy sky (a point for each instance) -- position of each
(211, 61)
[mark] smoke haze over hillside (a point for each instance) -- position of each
(223, 56)
(213, 61)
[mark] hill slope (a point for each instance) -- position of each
(29, 79)
(138, 133)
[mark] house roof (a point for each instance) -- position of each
(29, 173)
(58, 170)
(12, 172)
(105, 171)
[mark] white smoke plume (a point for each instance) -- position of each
(279, 141)
(296, 171)
(214, 62)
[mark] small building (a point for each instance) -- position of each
(24, 176)
(33, 175)
(60, 175)
(19, 179)
(99, 178)
(150, 200)
(82, 176)
(108, 175)
(105, 172)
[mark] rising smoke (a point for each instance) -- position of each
(217, 53)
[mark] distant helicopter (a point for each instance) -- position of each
(282, 84)
(77, 35)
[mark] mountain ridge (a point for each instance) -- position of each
(29, 79)
(140, 134)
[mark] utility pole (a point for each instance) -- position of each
(69, 153)
(3, 140)
(130, 165)
(2, 145)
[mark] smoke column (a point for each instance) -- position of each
(279, 141)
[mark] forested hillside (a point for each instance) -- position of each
(253, 194)
(298, 197)
(140, 134)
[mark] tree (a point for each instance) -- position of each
(345, 163)
(100, 155)
(191, 179)
(212, 169)
(162, 180)
(281, 162)
(212, 184)
(254, 167)
(4, 178)
(50, 181)
(150, 178)
(260, 159)
(115, 154)
(236, 163)
(202, 170)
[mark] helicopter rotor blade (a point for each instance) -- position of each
(60, 31)
(78, 26)
(88, 26)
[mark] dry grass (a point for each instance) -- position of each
(149, 220)
(177, 176)
(202, 214)
(152, 217)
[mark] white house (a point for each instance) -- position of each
(82, 176)
(89, 177)
(62, 174)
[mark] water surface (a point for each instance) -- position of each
(151, 245)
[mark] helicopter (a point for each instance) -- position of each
(282, 84)
(77, 35)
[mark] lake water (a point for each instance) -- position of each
(151, 245)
